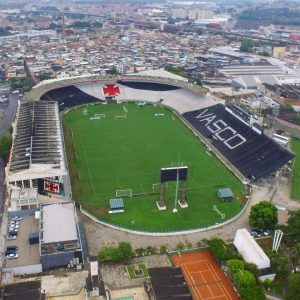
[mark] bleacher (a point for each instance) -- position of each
(69, 96)
(254, 155)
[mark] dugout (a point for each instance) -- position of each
(225, 194)
(116, 205)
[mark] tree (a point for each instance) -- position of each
(140, 251)
(295, 255)
(263, 215)
(180, 246)
(125, 251)
(247, 46)
(293, 290)
(280, 264)
(235, 265)
(5, 145)
(293, 224)
(220, 249)
(163, 249)
(244, 279)
(43, 76)
(252, 268)
(252, 293)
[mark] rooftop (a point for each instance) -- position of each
(59, 223)
(37, 142)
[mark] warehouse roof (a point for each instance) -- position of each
(59, 223)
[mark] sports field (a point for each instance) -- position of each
(204, 277)
(296, 170)
(110, 154)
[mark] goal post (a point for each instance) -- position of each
(156, 187)
(124, 193)
(100, 115)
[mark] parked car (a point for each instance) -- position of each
(13, 232)
(267, 232)
(16, 218)
(15, 222)
(8, 252)
(12, 255)
(12, 228)
(13, 248)
(14, 225)
(256, 233)
(11, 237)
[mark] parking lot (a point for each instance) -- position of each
(27, 254)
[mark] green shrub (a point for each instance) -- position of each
(220, 249)
(235, 265)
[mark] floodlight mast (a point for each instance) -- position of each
(176, 192)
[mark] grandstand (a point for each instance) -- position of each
(37, 151)
(69, 96)
(253, 154)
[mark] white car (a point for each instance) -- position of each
(11, 237)
(16, 218)
(12, 255)
(14, 222)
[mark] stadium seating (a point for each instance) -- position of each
(179, 99)
(69, 96)
(254, 155)
(148, 86)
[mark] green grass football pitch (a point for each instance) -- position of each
(296, 170)
(115, 154)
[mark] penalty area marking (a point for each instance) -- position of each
(218, 212)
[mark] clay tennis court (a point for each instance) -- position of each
(204, 277)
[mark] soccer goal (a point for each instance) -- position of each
(85, 112)
(140, 104)
(124, 193)
(156, 187)
(120, 117)
(98, 117)
(125, 109)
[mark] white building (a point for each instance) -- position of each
(253, 253)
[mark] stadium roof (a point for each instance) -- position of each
(250, 250)
(37, 150)
(47, 85)
(59, 223)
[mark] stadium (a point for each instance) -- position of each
(144, 154)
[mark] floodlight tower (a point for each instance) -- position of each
(176, 192)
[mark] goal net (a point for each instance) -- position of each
(155, 187)
(124, 193)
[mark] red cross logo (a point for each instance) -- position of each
(111, 90)
(51, 187)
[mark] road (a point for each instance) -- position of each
(7, 117)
